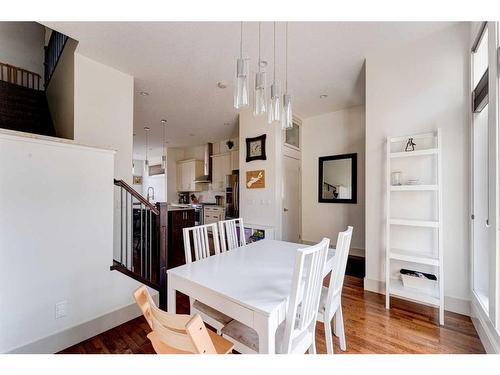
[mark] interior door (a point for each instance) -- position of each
(291, 199)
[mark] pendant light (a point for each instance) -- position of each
(241, 87)
(146, 129)
(274, 111)
(164, 156)
(286, 117)
(260, 100)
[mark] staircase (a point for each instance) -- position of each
(23, 102)
(24, 109)
(142, 240)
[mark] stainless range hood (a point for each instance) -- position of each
(207, 166)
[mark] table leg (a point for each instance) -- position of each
(266, 329)
(171, 294)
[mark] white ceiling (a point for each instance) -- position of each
(180, 63)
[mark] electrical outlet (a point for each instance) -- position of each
(61, 309)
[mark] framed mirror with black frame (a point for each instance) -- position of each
(337, 179)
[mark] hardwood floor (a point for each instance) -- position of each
(370, 328)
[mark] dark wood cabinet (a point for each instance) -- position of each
(177, 220)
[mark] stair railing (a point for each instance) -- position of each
(19, 76)
(142, 239)
(53, 52)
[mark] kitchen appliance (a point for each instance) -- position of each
(198, 213)
(207, 166)
(184, 197)
(232, 193)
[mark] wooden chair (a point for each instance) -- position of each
(229, 234)
(178, 334)
(201, 247)
(331, 302)
(297, 333)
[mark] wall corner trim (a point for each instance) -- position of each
(490, 337)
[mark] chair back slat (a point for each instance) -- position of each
(229, 234)
(179, 332)
(339, 264)
(201, 241)
(306, 292)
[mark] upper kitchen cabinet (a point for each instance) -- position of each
(235, 160)
(221, 167)
(223, 164)
(187, 171)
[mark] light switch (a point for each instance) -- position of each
(61, 309)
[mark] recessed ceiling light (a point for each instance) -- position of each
(262, 63)
(146, 128)
(144, 93)
(323, 96)
(221, 84)
(163, 121)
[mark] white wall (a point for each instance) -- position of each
(417, 88)
(61, 92)
(333, 133)
(261, 206)
(104, 105)
(21, 44)
(56, 243)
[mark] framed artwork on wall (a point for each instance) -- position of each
(256, 148)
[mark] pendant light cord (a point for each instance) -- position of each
(274, 53)
(286, 59)
(258, 62)
(241, 40)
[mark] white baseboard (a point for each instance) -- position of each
(490, 337)
(74, 335)
(456, 305)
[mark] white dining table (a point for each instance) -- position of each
(251, 284)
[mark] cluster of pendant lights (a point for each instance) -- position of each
(278, 108)
(164, 154)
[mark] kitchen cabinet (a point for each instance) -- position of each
(235, 160)
(177, 220)
(187, 171)
(221, 166)
(213, 214)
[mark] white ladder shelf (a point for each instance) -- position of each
(434, 258)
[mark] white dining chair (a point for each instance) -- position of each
(229, 234)
(296, 334)
(331, 302)
(201, 250)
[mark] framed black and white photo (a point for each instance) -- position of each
(256, 148)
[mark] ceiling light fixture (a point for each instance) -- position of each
(221, 84)
(164, 156)
(241, 87)
(287, 116)
(323, 96)
(260, 100)
(274, 111)
(146, 129)
(144, 93)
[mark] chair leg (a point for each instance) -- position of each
(328, 336)
(339, 323)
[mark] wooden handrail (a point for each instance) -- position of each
(19, 76)
(136, 195)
